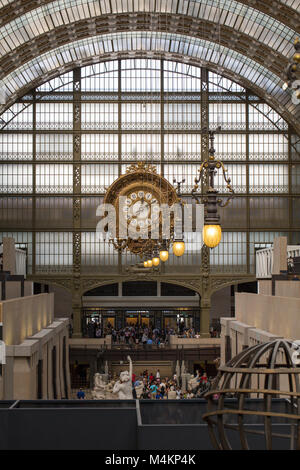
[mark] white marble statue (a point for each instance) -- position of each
(98, 393)
(109, 390)
(172, 393)
(177, 371)
(123, 387)
(193, 382)
(139, 390)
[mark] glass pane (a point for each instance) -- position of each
(54, 178)
(15, 178)
(97, 178)
(268, 178)
(99, 147)
(16, 147)
(54, 116)
(54, 146)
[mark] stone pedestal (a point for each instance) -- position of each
(9, 255)
(279, 255)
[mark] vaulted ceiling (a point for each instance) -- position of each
(249, 41)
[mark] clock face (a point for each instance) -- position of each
(139, 207)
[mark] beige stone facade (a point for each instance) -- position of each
(260, 318)
(37, 349)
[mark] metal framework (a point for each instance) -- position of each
(264, 371)
(59, 215)
(282, 10)
(257, 34)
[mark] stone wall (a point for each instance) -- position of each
(276, 315)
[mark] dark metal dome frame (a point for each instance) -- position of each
(242, 368)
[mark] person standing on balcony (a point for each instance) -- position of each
(290, 263)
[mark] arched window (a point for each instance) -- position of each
(64, 143)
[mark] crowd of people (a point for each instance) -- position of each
(157, 388)
(154, 387)
(145, 335)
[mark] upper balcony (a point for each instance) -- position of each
(274, 259)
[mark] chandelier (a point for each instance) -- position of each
(144, 191)
(212, 232)
(293, 71)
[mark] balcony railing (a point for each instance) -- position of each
(264, 260)
(21, 257)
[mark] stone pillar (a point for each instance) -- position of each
(158, 289)
(119, 289)
(76, 308)
(204, 318)
(50, 395)
(9, 255)
(68, 375)
(225, 339)
(77, 333)
(279, 255)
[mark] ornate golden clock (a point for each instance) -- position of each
(142, 191)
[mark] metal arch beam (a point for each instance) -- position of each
(218, 283)
(192, 284)
(273, 8)
(289, 117)
(177, 24)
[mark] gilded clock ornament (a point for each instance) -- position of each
(137, 197)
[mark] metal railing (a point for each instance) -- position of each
(264, 260)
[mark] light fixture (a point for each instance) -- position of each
(212, 235)
(145, 264)
(296, 57)
(155, 257)
(212, 232)
(178, 243)
(163, 251)
(149, 263)
(293, 70)
(178, 247)
(155, 261)
(164, 255)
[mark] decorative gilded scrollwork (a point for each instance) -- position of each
(221, 282)
(76, 209)
(141, 166)
(76, 143)
(76, 178)
(144, 191)
(77, 113)
(76, 252)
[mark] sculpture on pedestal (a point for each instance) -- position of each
(193, 383)
(98, 393)
(177, 372)
(139, 390)
(124, 385)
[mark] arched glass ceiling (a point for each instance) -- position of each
(184, 48)
(295, 4)
(240, 17)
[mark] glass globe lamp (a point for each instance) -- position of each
(164, 255)
(178, 247)
(212, 235)
(155, 261)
